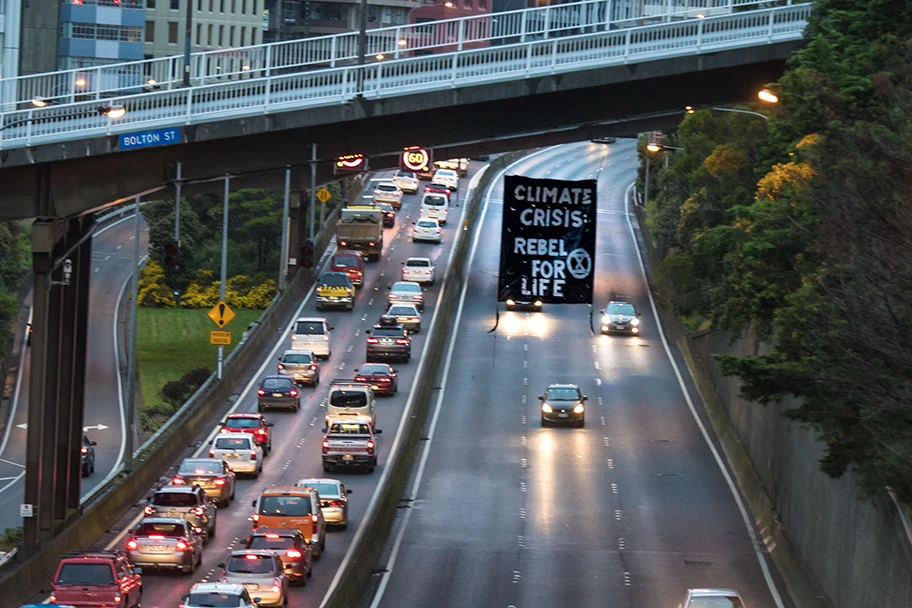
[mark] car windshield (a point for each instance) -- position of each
(434, 200)
(348, 399)
(309, 328)
(324, 489)
(374, 368)
(242, 423)
(266, 541)
(174, 499)
(335, 279)
(418, 263)
(285, 505)
(427, 224)
(408, 174)
(251, 563)
(197, 467)
(385, 207)
(160, 529)
(275, 384)
(402, 311)
(406, 287)
(446, 173)
(297, 358)
(213, 600)
(349, 428)
(86, 574)
(388, 332)
(347, 260)
(386, 187)
(563, 394)
(715, 602)
(621, 308)
(232, 443)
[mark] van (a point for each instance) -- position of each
(292, 507)
(351, 398)
(351, 262)
(313, 334)
(435, 205)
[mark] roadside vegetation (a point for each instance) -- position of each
(798, 229)
(15, 261)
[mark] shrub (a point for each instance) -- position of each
(176, 392)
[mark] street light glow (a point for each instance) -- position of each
(151, 82)
(403, 42)
(245, 67)
(449, 4)
(114, 111)
(701, 16)
(653, 147)
(380, 57)
(689, 109)
(767, 96)
(39, 103)
(80, 82)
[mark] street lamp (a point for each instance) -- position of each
(767, 96)
(113, 111)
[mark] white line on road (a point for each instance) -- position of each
(15, 464)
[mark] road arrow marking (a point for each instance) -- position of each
(100, 427)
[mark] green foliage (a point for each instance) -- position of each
(11, 538)
(151, 288)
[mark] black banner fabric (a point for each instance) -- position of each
(547, 240)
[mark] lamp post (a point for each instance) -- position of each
(187, 37)
(763, 95)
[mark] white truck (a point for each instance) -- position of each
(460, 165)
(350, 442)
(361, 229)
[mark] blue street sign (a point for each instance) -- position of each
(146, 139)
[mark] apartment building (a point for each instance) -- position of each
(215, 24)
(290, 19)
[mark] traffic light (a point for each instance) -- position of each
(307, 255)
(171, 254)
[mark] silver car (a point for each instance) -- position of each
(333, 499)
(185, 502)
(260, 572)
(712, 598)
(165, 542)
(407, 315)
(301, 365)
(406, 292)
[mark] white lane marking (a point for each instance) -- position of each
(611, 464)
(15, 464)
(107, 258)
(693, 411)
(391, 564)
(622, 544)
(118, 247)
(12, 416)
(614, 488)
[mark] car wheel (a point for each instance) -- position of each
(228, 500)
(233, 491)
(581, 423)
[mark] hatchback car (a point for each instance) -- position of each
(388, 192)
(240, 452)
(253, 423)
(406, 292)
(407, 315)
(388, 340)
(350, 262)
(382, 378)
(389, 214)
(447, 177)
(301, 365)
(426, 229)
(312, 334)
(165, 542)
(260, 572)
(620, 317)
(712, 598)
(406, 180)
(438, 188)
(291, 547)
(278, 392)
(563, 403)
(214, 476)
(87, 456)
(333, 499)
(96, 578)
(419, 270)
(218, 595)
(185, 502)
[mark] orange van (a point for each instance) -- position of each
(292, 507)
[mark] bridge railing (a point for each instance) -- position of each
(394, 42)
(258, 96)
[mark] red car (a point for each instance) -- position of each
(350, 262)
(103, 579)
(437, 188)
(252, 423)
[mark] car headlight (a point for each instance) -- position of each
(538, 303)
(546, 408)
(578, 409)
(634, 321)
(510, 302)
(606, 320)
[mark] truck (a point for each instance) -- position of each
(361, 229)
(460, 165)
(350, 442)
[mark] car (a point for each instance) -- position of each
(87, 456)
(447, 177)
(419, 270)
(97, 578)
(250, 422)
(349, 261)
(604, 140)
(426, 229)
(563, 403)
(291, 547)
(435, 206)
(406, 292)
(350, 442)
(278, 392)
(313, 334)
(389, 214)
(406, 180)
(461, 165)
(301, 365)
(523, 303)
(218, 595)
(259, 571)
(382, 378)
(165, 542)
(436, 188)
(387, 339)
(712, 598)
(335, 289)
(407, 315)
(28, 334)
(620, 317)
(295, 508)
(333, 499)
(213, 475)
(185, 502)
(240, 451)
(388, 192)
(348, 397)
(426, 172)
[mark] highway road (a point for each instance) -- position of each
(112, 252)
(296, 452)
(630, 511)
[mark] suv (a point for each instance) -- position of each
(388, 340)
(388, 192)
(291, 547)
(350, 262)
(97, 578)
(87, 456)
(406, 180)
(184, 502)
(294, 508)
(313, 334)
(335, 289)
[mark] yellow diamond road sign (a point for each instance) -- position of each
(218, 336)
(324, 195)
(221, 314)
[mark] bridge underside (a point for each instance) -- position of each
(68, 179)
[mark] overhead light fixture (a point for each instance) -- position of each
(449, 4)
(245, 67)
(767, 96)
(402, 42)
(152, 82)
(80, 82)
(653, 147)
(689, 109)
(114, 111)
(701, 16)
(379, 57)
(38, 102)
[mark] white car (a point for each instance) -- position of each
(260, 571)
(446, 177)
(426, 229)
(240, 451)
(313, 334)
(457, 164)
(435, 205)
(712, 598)
(406, 292)
(419, 270)
(388, 192)
(407, 315)
(218, 594)
(407, 181)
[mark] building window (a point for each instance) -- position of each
(211, 9)
(221, 6)
(243, 7)
(467, 3)
(327, 11)
(424, 29)
(199, 6)
(243, 35)
(94, 31)
(221, 35)
(231, 36)
(210, 41)
(175, 5)
(172, 32)
(483, 4)
(150, 3)
(150, 31)
(233, 7)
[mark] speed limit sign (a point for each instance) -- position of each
(415, 159)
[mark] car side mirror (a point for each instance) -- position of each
(253, 503)
(331, 328)
(395, 371)
(639, 314)
(585, 397)
(367, 331)
(378, 431)
(601, 312)
(402, 263)
(93, 443)
(257, 600)
(541, 397)
(184, 598)
(270, 424)
(137, 570)
(413, 222)
(348, 491)
(324, 430)
(221, 565)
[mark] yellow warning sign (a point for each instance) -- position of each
(221, 314)
(324, 195)
(218, 336)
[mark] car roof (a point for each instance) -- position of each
(350, 418)
(279, 531)
(285, 490)
(217, 587)
(263, 552)
(235, 435)
(309, 480)
(409, 283)
(353, 252)
(298, 352)
(276, 377)
(191, 489)
(620, 302)
(713, 592)
(337, 273)
(163, 520)
(417, 258)
(428, 219)
(550, 386)
(312, 319)
(246, 414)
(399, 305)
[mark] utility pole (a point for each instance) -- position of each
(313, 188)
(283, 261)
(362, 44)
(187, 36)
(223, 277)
(131, 346)
(177, 206)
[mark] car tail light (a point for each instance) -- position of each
(427, 272)
(325, 446)
(348, 290)
(343, 243)
(415, 229)
(293, 338)
(181, 545)
(261, 392)
(219, 482)
(336, 503)
(149, 510)
(292, 552)
(384, 379)
(253, 454)
(272, 536)
(197, 510)
(281, 366)
(372, 243)
(438, 231)
(84, 450)
(117, 598)
(157, 536)
(248, 556)
(357, 273)
(293, 393)
(402, 341)
(256, 518)
(313, 368)
(52, 599)
(132, 544)
(177, 481)
(316, 523)
(211, 453)
(223, 430)
(276, 586)
(419, 297)
(360, 379)
(372, 340)
(261, 431)
(224, 579)
(326, 338)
